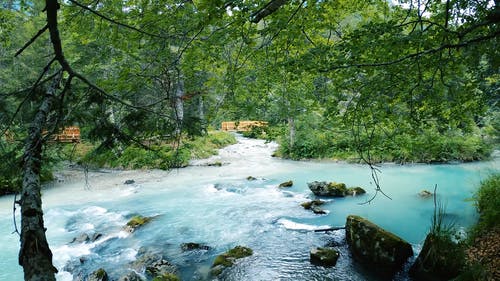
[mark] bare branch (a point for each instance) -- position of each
(33, 39)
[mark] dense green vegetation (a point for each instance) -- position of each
(487, 200)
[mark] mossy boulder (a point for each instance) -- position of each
(251, 178)
(329, 189)
(136, 222)
(286, 184)
(228, 258)
(376, 248)
(324, 256)
(440, 259)
(98, 275)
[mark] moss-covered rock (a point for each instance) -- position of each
(309, 204)
(251, 178)
(286, 184)
(440, 259)
(228, 258)
(330, 189)
(98, 275)
(136, 222)
(374, 247)
(324, 256)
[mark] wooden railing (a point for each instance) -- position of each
(241, 126)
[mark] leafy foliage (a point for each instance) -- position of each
(487, 199)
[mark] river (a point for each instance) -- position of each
(219, 207)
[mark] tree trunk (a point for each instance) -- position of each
(35, 256)
(178, 102)
(291, 127)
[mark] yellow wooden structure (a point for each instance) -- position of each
(68, 134)
(241, 126)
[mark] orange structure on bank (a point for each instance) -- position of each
(241, 126)
(68, 134)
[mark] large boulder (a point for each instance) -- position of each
(376, 248)
(330, 189)
(440, 259)
(228, 258)
(324, 256)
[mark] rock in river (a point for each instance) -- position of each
(228, 258)
(331, 189)
(324, 256)
(286, 184)
(375, 247)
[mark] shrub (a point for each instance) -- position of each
(487, 201)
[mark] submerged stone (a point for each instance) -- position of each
(425, 194)
(374, 247)
(228, 258)
(85, 237)
(324, 256)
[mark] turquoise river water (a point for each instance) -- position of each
(219, 207)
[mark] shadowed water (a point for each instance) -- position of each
(219, 207)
